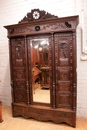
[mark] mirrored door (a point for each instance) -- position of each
(40, 70)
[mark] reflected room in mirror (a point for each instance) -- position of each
(40, 70)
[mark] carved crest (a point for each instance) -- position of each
(37, 14)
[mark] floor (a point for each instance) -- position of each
(41, 95)
(19, 123)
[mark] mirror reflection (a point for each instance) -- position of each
(40, 70)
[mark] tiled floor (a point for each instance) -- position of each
(20, 123)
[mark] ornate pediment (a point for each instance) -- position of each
(37, 14)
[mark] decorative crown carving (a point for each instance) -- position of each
(42, 15)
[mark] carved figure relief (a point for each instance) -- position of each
(63, 48)
(18, 52)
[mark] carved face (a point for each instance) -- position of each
(36, 15)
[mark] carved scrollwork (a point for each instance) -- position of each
(68, 24)
(11, 31)
(43, 15)
(45, 27)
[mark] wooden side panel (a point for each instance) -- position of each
(64, 70)
(19, 69)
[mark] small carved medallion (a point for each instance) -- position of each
(64, 75)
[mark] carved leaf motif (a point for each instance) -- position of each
(51, 26)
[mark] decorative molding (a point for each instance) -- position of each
(44, 27)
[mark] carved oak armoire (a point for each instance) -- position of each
(42, 50)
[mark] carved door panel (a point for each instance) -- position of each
(18, 70)
(64, 69)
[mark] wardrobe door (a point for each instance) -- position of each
(40, 69)
(18, 70)
(64, 69)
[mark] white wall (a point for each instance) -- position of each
(12, 11)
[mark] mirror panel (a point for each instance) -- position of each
(40, 70)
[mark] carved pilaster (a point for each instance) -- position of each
(53, 73)
(27, 82)
(74, 97)
(29, 70)
(11, 68)
(74, 70)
